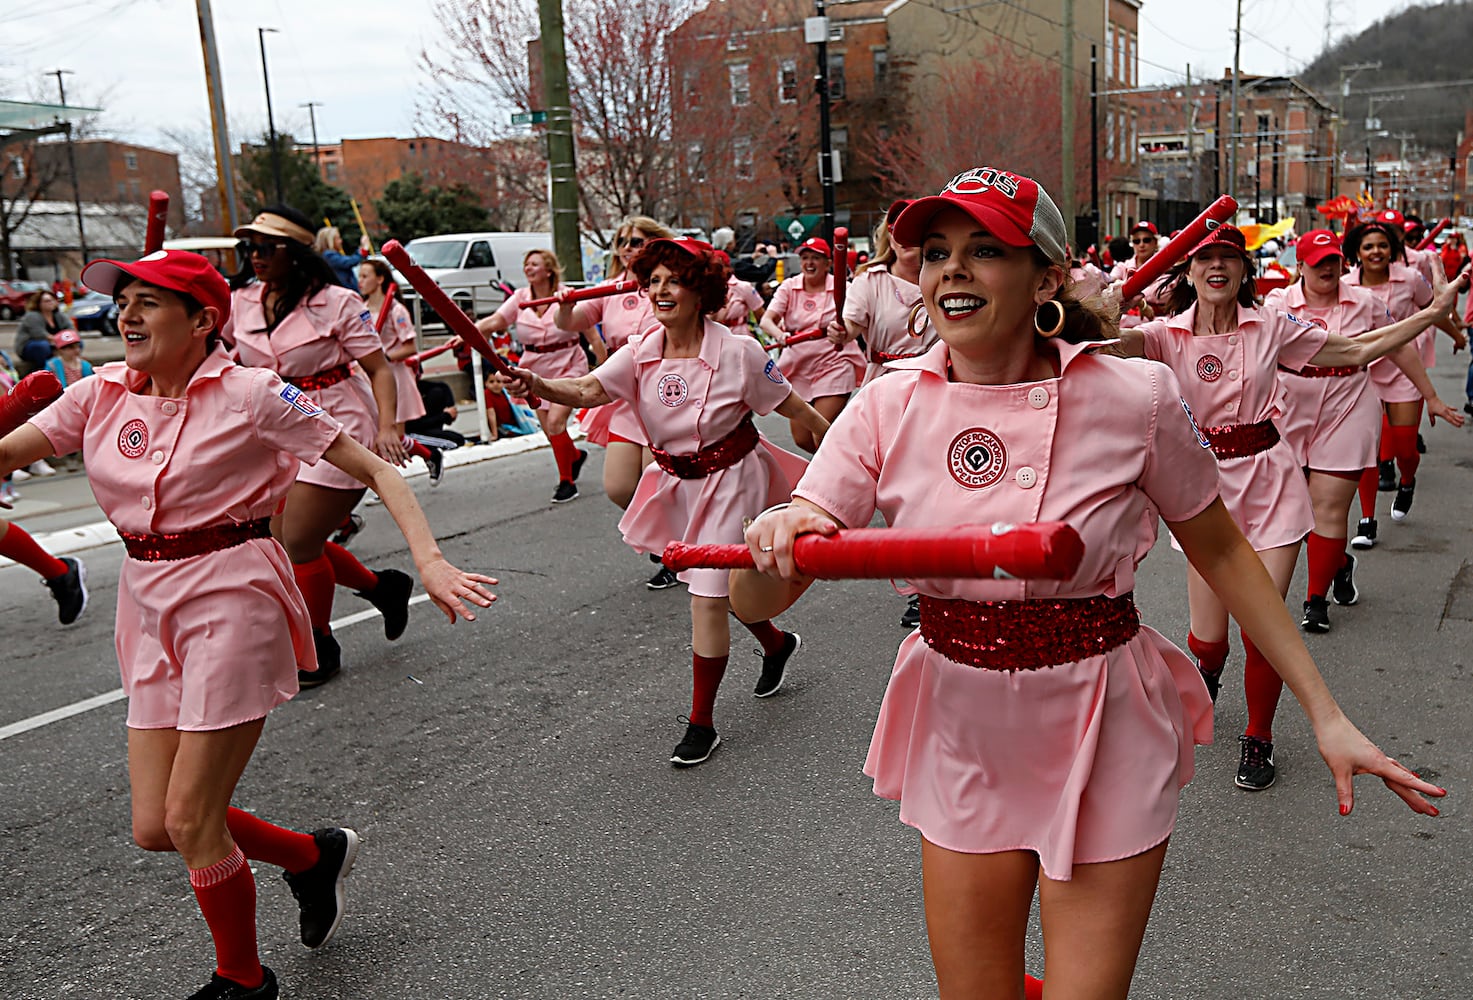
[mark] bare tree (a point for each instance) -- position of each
(24, 180)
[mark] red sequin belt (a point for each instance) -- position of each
(323, 379)
(1242, 440)
(1027, 635)
(880, 357)
(722, 455)
(552, 348)
(195, 542)
(1312, 371)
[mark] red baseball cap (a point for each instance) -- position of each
(1228, 236)
(696, 248)
(65, 338)
(893, 213)
(1149, 227)
(818, 245)
(1390, 217)
(1012, 207)
(1315, 245)
(176, 270)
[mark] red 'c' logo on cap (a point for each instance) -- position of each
(1323, 239)
(980, 179)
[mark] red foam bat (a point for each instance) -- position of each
(30, 396)
(841, 270)
(804, 337)
(425, 355)
(158, 215)
(1178, 247)
(583, 294)
(383, 310)
(455, 318)
(1042, 551)
(1433, 234)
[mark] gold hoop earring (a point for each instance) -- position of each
(1058, 324)
(919, 309)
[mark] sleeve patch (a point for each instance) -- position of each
(773, 372)
(1297, 322)
(366, 318)
(302, 402)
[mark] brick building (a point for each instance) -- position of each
(364, 167)
(112, 173)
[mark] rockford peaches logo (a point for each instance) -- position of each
(977, 458)
(1317, 321)
(133, 438)
(1209, 368)
(673, 390)
(631, 302)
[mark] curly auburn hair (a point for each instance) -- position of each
(706, 275)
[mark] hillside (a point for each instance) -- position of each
(1420, 45)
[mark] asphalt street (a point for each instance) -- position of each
(525, 837)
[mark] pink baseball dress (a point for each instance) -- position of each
(398, 331)
(214, 639)
(546, 349)
(1231, 382)
(316, 343)
(742, 299)
(881, 303)
(1079, 760)
(620, 317)
(1403, 295)
(690, 404)
(814, 368)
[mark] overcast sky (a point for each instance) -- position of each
(140, 59)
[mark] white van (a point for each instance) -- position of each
(468, 266)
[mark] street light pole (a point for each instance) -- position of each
(312, 107)
(71, 158)
(816, 29)
(270, 118)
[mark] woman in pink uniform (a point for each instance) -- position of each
(296, 321)
(881, 300)
(552, 351)
(1226, 351)
(821, 374)
(1034, 731)
(396, 331)
(695, 385)
(190, 455)
(1331, 417)
(1381, 269)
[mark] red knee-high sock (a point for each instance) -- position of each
(1404, 447)
(347, 570)
(1368, 488)
(769, 635)
(226, 892)
(1210, 655)
(1326, 558)
(1384, 452)
(263, 841)
(315, 580)
(1262, 686)
(708, 671)
(1032, 988)
(17, 545)
(417, 448)
(566, 453)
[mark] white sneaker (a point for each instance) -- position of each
(20, 475)
(372, 500)
(9, 494)
(41, 467)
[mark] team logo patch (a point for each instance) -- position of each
(133, 438)
(673, 390)
(1201, 438)
(810, 304)
(977, 458)
(1316, 321)
(773, 372)
(1209, 368)
(300, 401)
(631, 302)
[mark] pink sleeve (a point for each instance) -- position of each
(843, 477)
(1152, 335)
(1421, 292)
(288, 420)
(857, 304)
(403, 325)
(750, 295)
(1299, 340)
(64, 421)
(354, 327)
(617, 375)
(763, 386)
(591, 311)
(1180, 474)
(778, 307)
(1468, 316)
(508, 310)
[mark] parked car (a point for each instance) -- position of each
(470, 267)
(94, 311)
(13, 295)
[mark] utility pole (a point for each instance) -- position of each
(1094, 143)
(1067, 205)
(561, 166)
(1347, 73)
(71, 159)
(219, 127)
(816, 31)
(1232, 184)
(312, 107)
(270, 118)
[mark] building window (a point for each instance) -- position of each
(130, 160)
(18, 167)
(736, 43)
(741, 157)
(741, 85)
(1109, 135)
(331, 170)
(695, 163)
(692, 88)
(787, 81)
(882, 66)
(839, 136)
(837, 88)
(1110, 51)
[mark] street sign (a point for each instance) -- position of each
(529, 118)
(796, 229)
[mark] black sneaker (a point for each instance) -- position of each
(329, 661)
(1365, 534)
(70, 591)
(565, 491)
(1421, 444)
(1386, 476)
(912, 616)
(319, 889)
(1468, 407)
(391, 596)
(1401, 504)
(1255, 764)
(663, 579)
(774, 666)
(220, 988)
(436, 464)
(1213, 680)
(578, 463)
(1343, 589)
(1316, 615)
(350, 527)
(696, 747)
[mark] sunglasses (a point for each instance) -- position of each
(632, 242)
(1143, 239)
(264, 249)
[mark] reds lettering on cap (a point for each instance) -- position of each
(1011, 207)
(176, 270)
(1315, 245)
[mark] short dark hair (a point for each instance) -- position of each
(1357, 235)
(705, 275)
